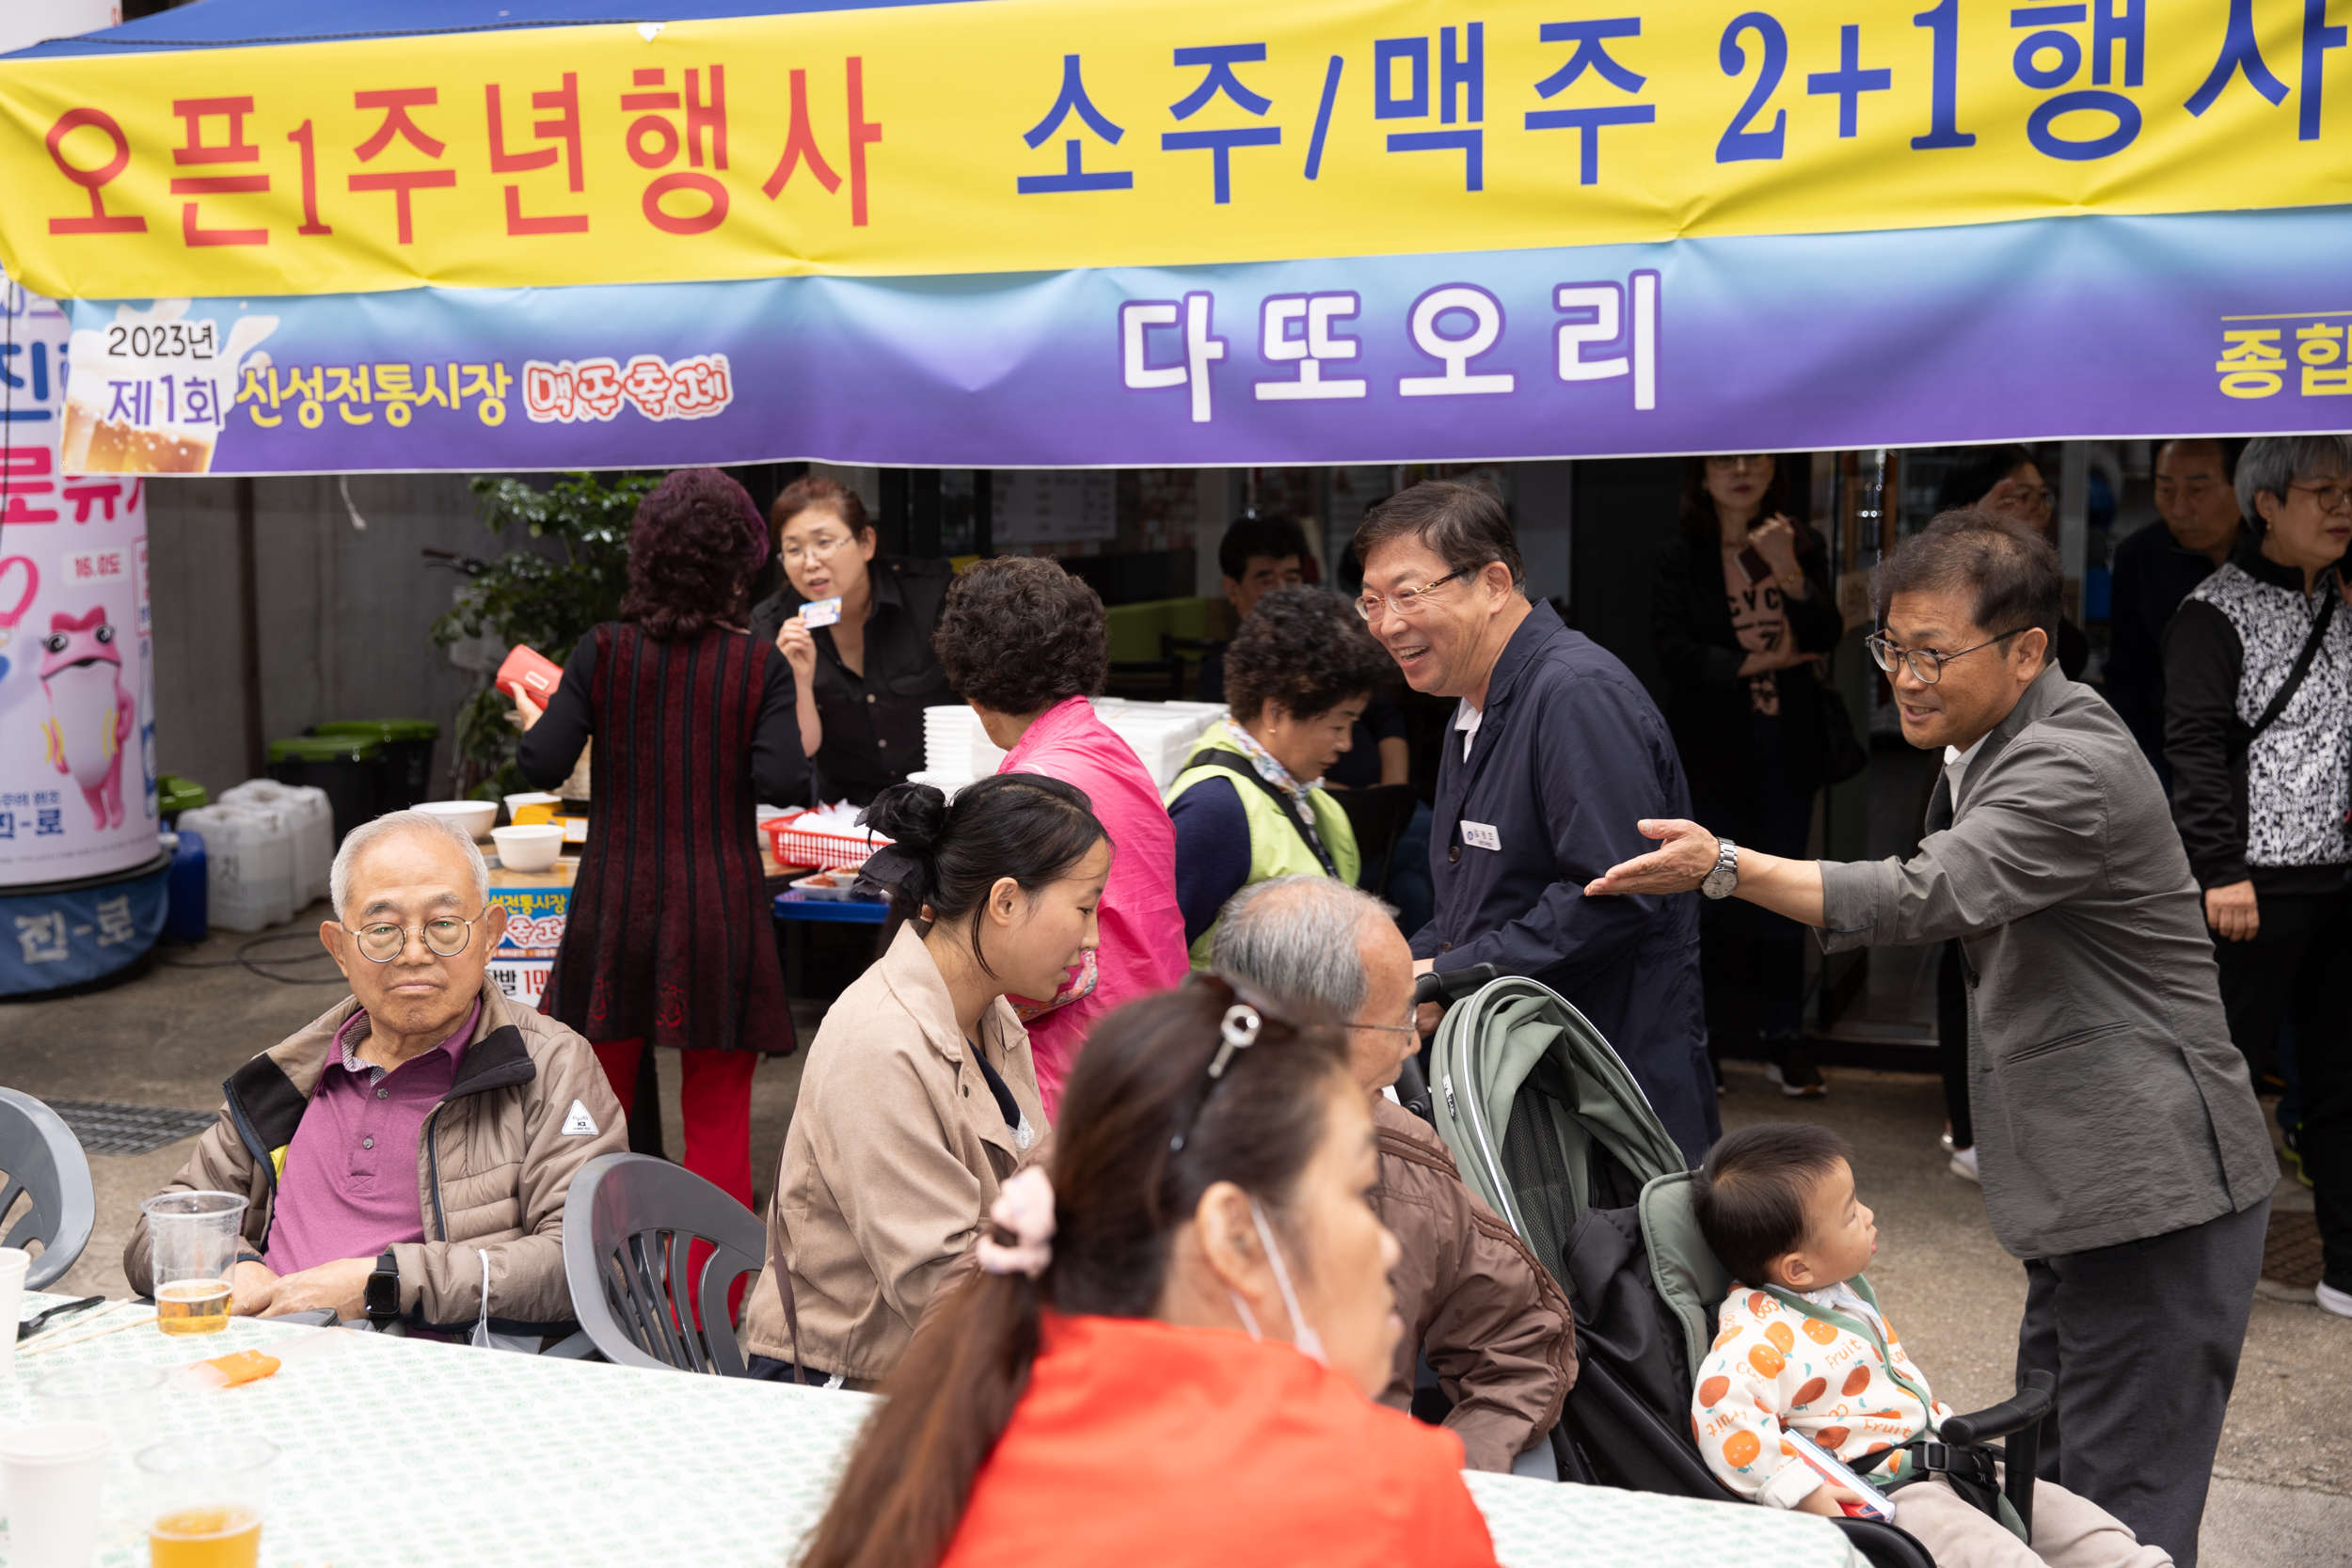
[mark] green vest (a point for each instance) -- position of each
(1277, 847)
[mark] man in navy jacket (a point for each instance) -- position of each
(1555, 752)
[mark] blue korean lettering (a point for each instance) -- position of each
(2240, 50)
(1461, 95)
(1592, 53)
(1739, 143)
(1075, 175)
(2049, 58)
(1220, 59)
(50, 821)
(1323, 116)
(1849, 81)
(2318, 38)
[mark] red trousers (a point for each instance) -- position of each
(716, 1097)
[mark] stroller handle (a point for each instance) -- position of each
(1453, 985)
(2032, 1402)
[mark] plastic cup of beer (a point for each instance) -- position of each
(193, 1238)
(204, 1501)
(49, 1477)
(13, 1263)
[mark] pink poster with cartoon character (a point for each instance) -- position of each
(77, 729)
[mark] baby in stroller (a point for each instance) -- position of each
(1802, 1344)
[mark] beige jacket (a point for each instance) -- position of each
(1495, 1327)
(493, 1163)
(896, 1151)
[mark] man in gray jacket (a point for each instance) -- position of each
(2123, 1151)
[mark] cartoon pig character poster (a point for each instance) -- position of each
(91, 715)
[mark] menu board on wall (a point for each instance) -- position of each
(1053, 506)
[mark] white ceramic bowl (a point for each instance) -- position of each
(531, 848)
(475, 817)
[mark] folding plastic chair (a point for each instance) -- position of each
(630, 1227)
(42, 1160)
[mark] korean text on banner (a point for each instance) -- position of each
(1043, 135)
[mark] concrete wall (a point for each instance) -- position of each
(344, 613)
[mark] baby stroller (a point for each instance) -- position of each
(1550, 1130)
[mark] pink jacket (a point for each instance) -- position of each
(1142, 928)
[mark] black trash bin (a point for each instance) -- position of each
(407, 758)
(350, 767)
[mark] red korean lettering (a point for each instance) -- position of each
(647, 384)
(307, 140)
(22, 471)
(800, 143)
(403, 183)
(193, 113)
(654, 142)
(564, 127)
(86, 493)
(92, 180)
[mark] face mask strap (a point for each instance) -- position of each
(1303, 1336)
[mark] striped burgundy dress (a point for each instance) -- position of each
(670, 938)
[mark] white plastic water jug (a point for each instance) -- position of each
(248, 852)
(312, 818)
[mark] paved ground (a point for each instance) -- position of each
(2283, 1494)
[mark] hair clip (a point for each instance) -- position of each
(1240, 1030)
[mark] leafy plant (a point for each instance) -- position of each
(531, 596)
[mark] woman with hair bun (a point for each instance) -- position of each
(920, 1097)
(670, 941)
(1171, 1351)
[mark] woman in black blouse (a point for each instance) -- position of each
(859, 684)
(1741, 609)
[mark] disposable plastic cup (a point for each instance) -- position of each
(49, 1477)
(13, 1263)
(121, 1396)
(192, 1240)
(205, 1497)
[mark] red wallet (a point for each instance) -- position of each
(527, 673)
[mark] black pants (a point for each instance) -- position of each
(1751, 960)
(2144, 1338)
(2295, 966)
(1951, 1042)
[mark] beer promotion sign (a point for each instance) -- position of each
(77, 720)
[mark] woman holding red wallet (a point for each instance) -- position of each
(669, 941)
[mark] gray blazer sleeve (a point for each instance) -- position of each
(2034, 833)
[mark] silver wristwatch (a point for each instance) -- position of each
(1725, 877)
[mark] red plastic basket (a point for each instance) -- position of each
(828, 851)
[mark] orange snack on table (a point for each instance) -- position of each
(245, 1366)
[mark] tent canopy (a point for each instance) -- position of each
(1176, 232)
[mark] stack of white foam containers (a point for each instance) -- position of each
(957, 751)
(249, 861)
(312, 818)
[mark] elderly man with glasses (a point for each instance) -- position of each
(412, 1146)
(1493, 1326)
(2121, 1147)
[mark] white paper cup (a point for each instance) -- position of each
(49, 1477)
(13, 1263)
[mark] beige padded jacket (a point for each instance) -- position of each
(896, 1149)
(493, 1163)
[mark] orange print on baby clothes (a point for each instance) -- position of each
(1759, 1305)
(1740, 1449)
(1766, 1361)
(1814, 1389)
(1831, 1438)
(1856, 1381)
(1782, 1340)
(1820, 1332)
(1713, 1389)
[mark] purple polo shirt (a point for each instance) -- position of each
(350, 1185)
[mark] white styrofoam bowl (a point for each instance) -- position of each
(531, 848)
(475, 817)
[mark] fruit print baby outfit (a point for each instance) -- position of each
(1824, 1362)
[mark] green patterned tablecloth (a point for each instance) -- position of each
(406, 1454)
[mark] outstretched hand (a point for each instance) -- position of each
(1686, 854)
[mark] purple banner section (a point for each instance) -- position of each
(2057, 327)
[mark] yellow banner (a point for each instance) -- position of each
(1042, 134)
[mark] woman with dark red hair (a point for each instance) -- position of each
(669, 941)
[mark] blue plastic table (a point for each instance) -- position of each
(852, 911)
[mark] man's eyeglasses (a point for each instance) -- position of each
(2329, 497)
(1405, 600)
(1927, 664)
(445, 936)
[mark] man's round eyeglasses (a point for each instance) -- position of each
(1927, 664)
(445, 936)
(1405, 600)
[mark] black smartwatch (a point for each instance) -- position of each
(383, 1295)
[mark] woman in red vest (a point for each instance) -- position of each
(1174, 1359)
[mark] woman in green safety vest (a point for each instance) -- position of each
(1249, 803)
